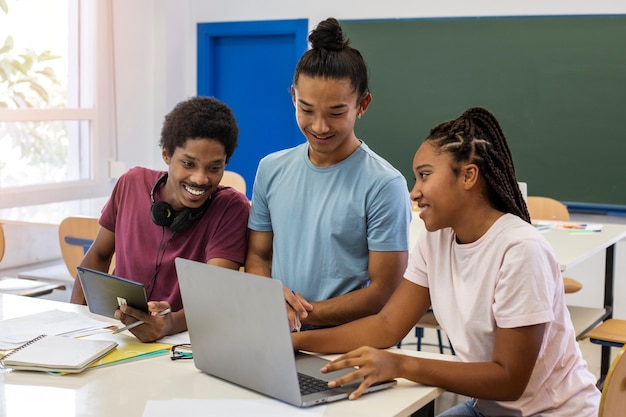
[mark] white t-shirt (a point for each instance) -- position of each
(508, 278)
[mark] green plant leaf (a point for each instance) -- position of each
(4, 6)
(28, 59)
(18, 66)
(4, 73)
(49, 74)
(22, 100)
(47, 56)
(8, 44)
(41, 92)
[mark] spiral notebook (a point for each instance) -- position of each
(49, 353)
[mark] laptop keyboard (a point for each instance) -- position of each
(310, 385)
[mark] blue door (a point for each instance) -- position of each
(249, 66)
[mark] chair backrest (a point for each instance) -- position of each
(546, 208)
(1, 242)
(613, 401)
(76, 234)
(235, 180)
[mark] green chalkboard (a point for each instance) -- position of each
(556, 84)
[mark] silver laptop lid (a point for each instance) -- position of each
(243, 309)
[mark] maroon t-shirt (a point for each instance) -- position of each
(141, 245)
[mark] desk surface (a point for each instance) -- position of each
(124, 389)
(572, 248)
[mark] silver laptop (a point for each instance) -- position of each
(239, 332)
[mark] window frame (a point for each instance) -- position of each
(100, 114)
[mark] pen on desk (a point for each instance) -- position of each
(140, 322)
(573, 226)
(298, 324)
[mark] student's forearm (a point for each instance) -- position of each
(346, 308)
(259, 256)
(78, 297)
(92, 261)
(369, 331)
(258, 266)
(178, 324)
(486, 380)
(385, 271)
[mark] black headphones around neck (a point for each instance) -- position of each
(163, 213)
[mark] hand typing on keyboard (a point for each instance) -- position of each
(373, 365)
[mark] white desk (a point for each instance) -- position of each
(572, 248)
(53, 273)
(124, 389)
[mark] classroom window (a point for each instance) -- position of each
(48, 81)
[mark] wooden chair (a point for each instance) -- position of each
(610, 333)
(235, 180)
(76, 234)
(613, 400)
(546, 208)
(25, 287)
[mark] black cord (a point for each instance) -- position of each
(159, 260)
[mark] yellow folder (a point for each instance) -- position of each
(128, 349)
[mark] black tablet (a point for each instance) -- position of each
(105, 292)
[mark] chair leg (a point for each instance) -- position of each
(440, 341)
(600, 382)
(605, 361)
(419, 333)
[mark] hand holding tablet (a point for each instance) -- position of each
(139, 322)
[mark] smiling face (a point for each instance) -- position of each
(438, 191)
(326, 110)
(195, 171)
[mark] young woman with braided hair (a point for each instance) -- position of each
(492, 280)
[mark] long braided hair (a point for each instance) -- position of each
(476, 137)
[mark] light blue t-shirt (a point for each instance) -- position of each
(325, 220)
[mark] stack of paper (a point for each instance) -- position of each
(17, 331)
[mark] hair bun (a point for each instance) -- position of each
(328, 35)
